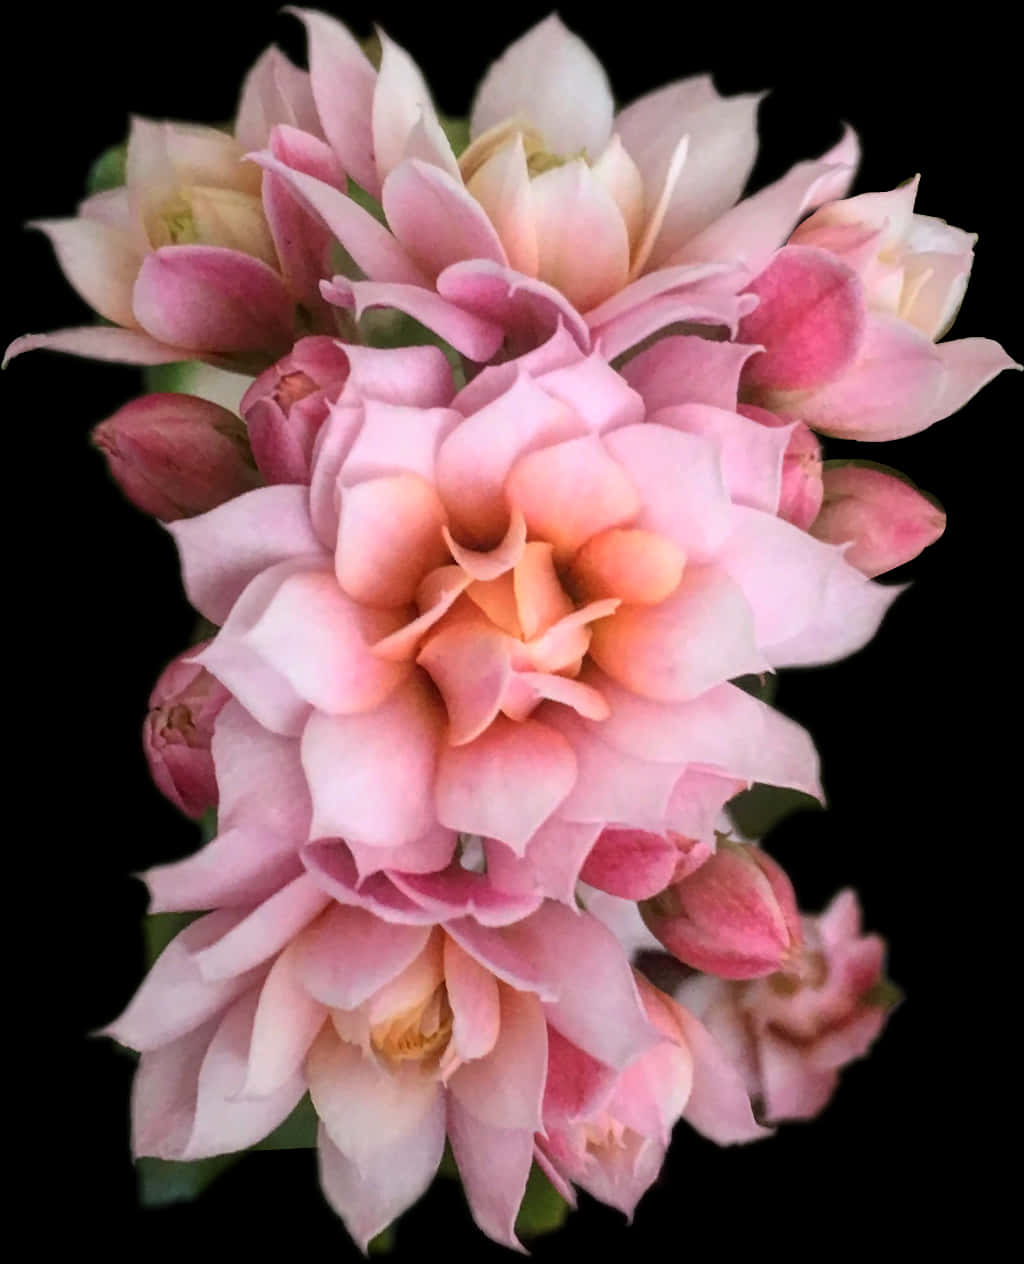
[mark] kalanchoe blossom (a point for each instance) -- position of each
(177, 455)
(802, 489)
(735, 916)
(849, 313)
(178, 731)
(513, 614)
(790, 1034)
(403, 1035)
(887, 520)
(608, 1134)
(485, 248)
(199, 255)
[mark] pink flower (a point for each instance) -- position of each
(888, 521)
(512, 614)
(487, 247)
(849, 312)
(402, 1035)
(176, 736)
(191, 258)
(176, 455)
(802, 489)
(791, 1034)
(608, 1133)
(735, 916)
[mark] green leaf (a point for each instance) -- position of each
(756, 811)
(762, 687)
(161, 378)
(162, 1182)
(369, 203)
(543, 1208)
(383, 1243)
(457, 131)
(158, 929)
(208, 826)
(298, 1132)
(107, 172)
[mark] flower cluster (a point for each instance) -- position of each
(523, 498)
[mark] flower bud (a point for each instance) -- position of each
(735, 916)
(887, 519)
(288, 403)
(175, 456)
(177, 732)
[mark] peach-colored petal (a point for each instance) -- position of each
(638, 567)
(502, 187)
(470, 667)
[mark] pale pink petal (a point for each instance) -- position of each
(502, 187)
(274, 91)
(457, 892)
(368, 1197)
(658, 208)
(595, 392)
(209, 298)
(499, 951)
(792, 1088)
(651, 126)
(506, 783)
(679, 479)
(343, 83)
(98, 342)
(263, 932)
(470, 334)
(436, 220)
(697, 307)
(372, 775)
(332, 866)
(174, 998)
(389, 537)
(701, 636)
(685, 370)
(719, 1105)
(751, 454)
(560, 351)
(571, 491)
(400, 101)
(369, 243)
(348, 954)
(529, 310)
(428, 854)
(968, 364)
(100, 261)
(504, 1088)
(260, 777)
(550, 77)
(551, 863)
(473, 996)
(365, 1107)
(470, 666)
(494, 1164)
(319, 641)
(811, 319)
(695, 810)
(415, 377)
(474, 461)
(286, 1023)
(397, 438)
(223, 550)
(569, 206)
(240, 866)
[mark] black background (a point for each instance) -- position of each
(909, 730)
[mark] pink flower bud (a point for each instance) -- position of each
(177, 732)
(288, 403)
(176, 455)
(801, 490)
(887, 519)
(735, 916)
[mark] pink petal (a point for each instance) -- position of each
(679, 479)
(224, 550)
(240, 866)
(437, 593)
(701, 636)
(414, 377)
(561, 350)
(504, 1088)
(260, 777)
(595, 392)
(364, 1107)
(457, 892)
(969, 364)
(632, 864)
(389, 537)
(719, 1105)
(470, 666)
(400, 102)
(209, 298)
(686, 370)
(263, 932)
(494, 1164)
(369, 243)
(428, 854)
(174, 998)
(100, 261)
(348, 954)
(286, 1023)
(332, 866)
(570, 205)
(551, 863)
(473, 996)
(369, 1197)
(343, 83)
(372, 775)
(396, 438)
(810, 318)
(99, 342)
(274, 91)
(319, 641)
(436, 220)
(578, 1086)
(681, 308)
(500, 952)
(550, 77)
(506, 783)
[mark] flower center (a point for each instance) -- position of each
(418, 1034)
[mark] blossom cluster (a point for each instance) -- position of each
(522, 477)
